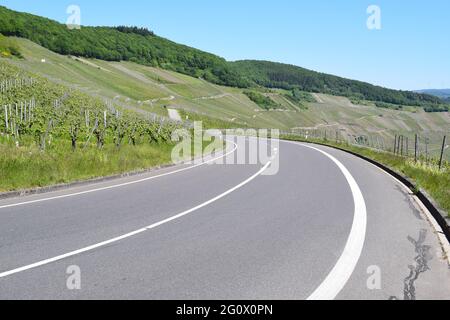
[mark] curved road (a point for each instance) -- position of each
(328, 225)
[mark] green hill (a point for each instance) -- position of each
(142, 46)
(278, 75)
(116, 44)
(8, 48)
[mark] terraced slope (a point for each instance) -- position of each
(150, 89)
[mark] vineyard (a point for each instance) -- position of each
(34, 110)
(51, 134)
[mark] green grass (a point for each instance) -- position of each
(424, 176)
(29, 167)
(9, 48)
(210, 123)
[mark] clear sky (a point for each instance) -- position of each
(411, 51)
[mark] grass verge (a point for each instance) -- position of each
(29, 167)
(22, 168)
(424, 176)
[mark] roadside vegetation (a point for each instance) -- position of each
(30, 167)
(425, 174)
(51, 134)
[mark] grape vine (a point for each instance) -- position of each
(33, 107)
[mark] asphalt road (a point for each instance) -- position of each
(328, 225)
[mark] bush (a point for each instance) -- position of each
(9, 47)
(261, 100)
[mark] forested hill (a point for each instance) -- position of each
(278, 75)
(118, 43)
(143, 46)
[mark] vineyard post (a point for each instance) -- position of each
(86, 118)
(426, 150)
(92, 132)
(6, 118)
(44, 137)
(442, 152)
(401, 145)
(407, 146)
(416, 147)
(119, 129)
(395, 145)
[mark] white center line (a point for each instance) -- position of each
(119, 185)
(133, 233)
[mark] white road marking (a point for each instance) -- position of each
(131, 234)
(345, 266)
(119, 185)
(330, 287)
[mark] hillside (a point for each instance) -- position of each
(8, 48)
(142, 46)
(278, 75)
(152, 90)
(116, 44)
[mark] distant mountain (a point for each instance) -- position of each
(441, 93)
(142, 46)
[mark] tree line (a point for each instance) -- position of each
(289, 77)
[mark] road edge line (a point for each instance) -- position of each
(338, 277)
(435, 217)
(74, 194)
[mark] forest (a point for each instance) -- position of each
(277, 75)
(118, 43)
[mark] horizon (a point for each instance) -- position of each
(379, 57)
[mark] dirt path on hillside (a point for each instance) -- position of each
(219, 96)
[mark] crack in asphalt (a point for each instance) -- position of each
(408, 200)
(419, 267)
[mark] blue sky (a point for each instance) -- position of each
(411, 51)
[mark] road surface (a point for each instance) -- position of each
(327, 226)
